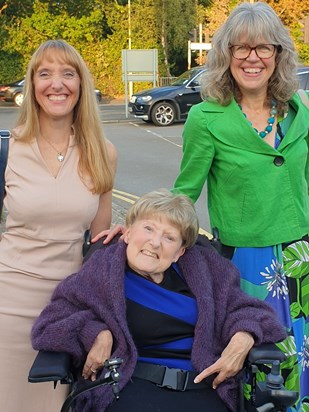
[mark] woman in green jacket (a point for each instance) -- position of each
(249, 140)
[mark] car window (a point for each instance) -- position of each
(303, 77)
(196, 81)
(184, 78)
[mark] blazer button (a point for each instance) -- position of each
(278, 161)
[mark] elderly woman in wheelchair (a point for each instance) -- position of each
(171, 309)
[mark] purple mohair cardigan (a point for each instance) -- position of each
(93, 300)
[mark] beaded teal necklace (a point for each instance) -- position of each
(270, 120)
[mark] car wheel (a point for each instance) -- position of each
(147, 121)
(18, 99)
(163, 114)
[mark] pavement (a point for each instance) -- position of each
(114, 111)
(115, 100)
(119, 214)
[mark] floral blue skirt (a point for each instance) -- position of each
(280, 276)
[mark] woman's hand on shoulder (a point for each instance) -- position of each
(109, 233)
(231, 360)
(100, 351)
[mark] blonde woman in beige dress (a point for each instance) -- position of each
(59, 179)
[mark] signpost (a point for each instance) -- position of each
(196, 46)
(139, 65)
(200, 45)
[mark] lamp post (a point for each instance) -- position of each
(130, 44)
(129, 19)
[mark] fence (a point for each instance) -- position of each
(165, 81)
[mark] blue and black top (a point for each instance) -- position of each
(161, 318)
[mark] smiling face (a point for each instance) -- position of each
(252, 74)
(153, 245)
(56, 85)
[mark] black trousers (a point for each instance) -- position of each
(140, 395)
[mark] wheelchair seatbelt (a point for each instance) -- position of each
(4, 151)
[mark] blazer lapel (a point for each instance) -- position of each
(299, 126)
(228, 125)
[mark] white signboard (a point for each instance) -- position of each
(140, 61)
(200, 46)
(139, 65)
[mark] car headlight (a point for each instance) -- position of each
(143, 99)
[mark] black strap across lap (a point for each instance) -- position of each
(172, 378)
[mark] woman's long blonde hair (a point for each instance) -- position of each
(93, 156)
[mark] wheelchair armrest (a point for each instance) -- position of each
(51, 366)
(268, 394)
(265, 353)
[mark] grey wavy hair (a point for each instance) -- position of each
(177, 208)
(256, 22)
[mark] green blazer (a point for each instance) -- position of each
(257, 195)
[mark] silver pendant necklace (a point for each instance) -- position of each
(60, 155)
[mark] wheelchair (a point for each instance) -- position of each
(57, 367)
(269, 395)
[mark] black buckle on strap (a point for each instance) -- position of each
(175, 379)
(5, 134)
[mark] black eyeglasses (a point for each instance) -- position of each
(263, 51)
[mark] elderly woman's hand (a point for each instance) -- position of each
(100, 351)
(109, 233)
(231, 360)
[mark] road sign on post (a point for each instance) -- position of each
(139, 65)
(199, 45)
(196, 46)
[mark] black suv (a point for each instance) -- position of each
(303, 77)
(164, 105)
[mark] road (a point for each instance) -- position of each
(148, 156)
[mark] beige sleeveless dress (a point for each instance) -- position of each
(41, 246)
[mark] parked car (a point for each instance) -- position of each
(164, 105)
(13, 92)
(303, 77)
(98, 95)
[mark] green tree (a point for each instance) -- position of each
(28, 32)
(291, 12)
(104, 58)
(16, 8)
(100, 30)
(77, 8)
(174, 20)
(11, 61)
